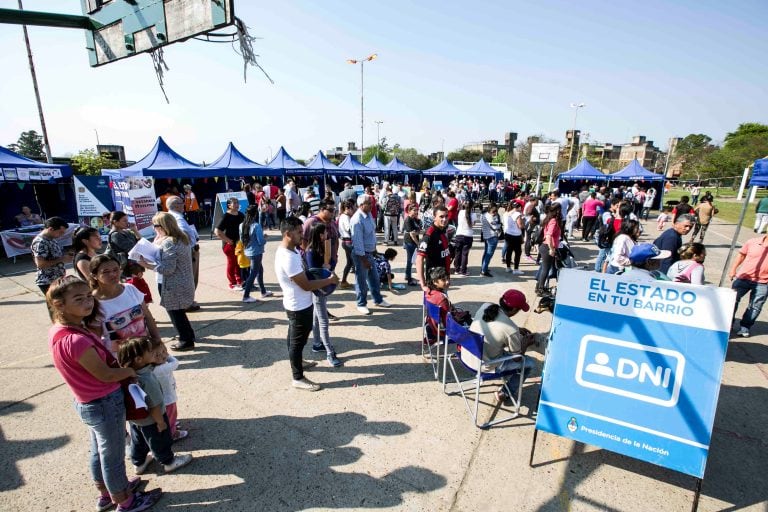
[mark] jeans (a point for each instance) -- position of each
(547, 262)
(181, 323)
(350, 263)
(320, 324)
(390, 226)
(366, 278)
(105, 419)
(144, 439)
(757, 295)
(410, 248)
(513, 380)
(233, 273)
(256, 274)
(512, 244)
(602, 255)
(463, 246)
(490, 248)
(299, 327)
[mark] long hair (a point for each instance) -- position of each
(59, 288)
(467, 206)
(316, 242)
(553, 212)
(251, 216)
(166, 221)
(631, 228)
(96, 263)
(81, 235)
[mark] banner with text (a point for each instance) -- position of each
(634, 366)
(135, 195)
(94, 199)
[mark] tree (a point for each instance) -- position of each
(522, 158)
(30, 144)
(742, 147)
(90, 163)
(500, 158)
(411, 157)
(381, 151)
(692, 155)
(464, 155)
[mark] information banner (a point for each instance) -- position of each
(94, 198)
(634, 366)
(18, 241)
(135, 195)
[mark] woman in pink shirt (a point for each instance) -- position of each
(94, 376)
(548, 248)
(589, 216)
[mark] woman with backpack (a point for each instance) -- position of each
(690, 267)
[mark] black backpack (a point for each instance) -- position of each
(605, 234)
(537, 235)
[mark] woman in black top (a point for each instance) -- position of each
(86, 241)
(228, 231)
(122, 237)
(411, 238)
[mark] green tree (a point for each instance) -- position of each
(464, 155)
(90, 163)
(30, 144)
(693, 155)
(380, 151)
(522, 166)
(742, 147)
(500, 158)
(411, 157)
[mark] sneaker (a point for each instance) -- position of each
(363, 310)
(486, 274)
(318, 348)
(509, 270)
(305, 384)
(142, 468)
(413, 282)
(333, 318)
(236, 288)
(743, 332)
(180, 434)
(105, 502)
(142, 501)
(334, 361)
(517, 272)
(266, 294)
(179, 461)
(384, 304)
(251, 300)
(529, 258)
(344, 285)
(306, 365)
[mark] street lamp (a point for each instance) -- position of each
(378, 137)
(362, 125)
(575, 106)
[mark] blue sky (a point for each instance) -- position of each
(448, 72)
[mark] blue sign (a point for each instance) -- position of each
(634, 366)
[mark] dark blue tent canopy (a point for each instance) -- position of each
(163, 162)
(353, 166)
(760, 174)
(443, 168)
(283, 163)
(583, 171)
(375, 163)
(321, 163)
(233, 163)
(398, 167)
(635, 172)
(481, 168)
(9, 161)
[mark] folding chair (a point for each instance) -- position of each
(470, 353)
(432, 351)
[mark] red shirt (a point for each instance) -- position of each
(142, 286)
(453, 209)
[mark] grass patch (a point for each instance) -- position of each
(725, 201)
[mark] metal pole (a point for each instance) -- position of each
(549, 185)
(46, 144)
(533, 446)
(697, 493)
(362, 125)
(728, 259)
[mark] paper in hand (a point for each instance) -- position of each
(138, 396)
(145, 248)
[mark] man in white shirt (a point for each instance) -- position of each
(297, 299)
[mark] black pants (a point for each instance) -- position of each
(547, 262)
(463, 245)
(181, 323)
(349, 264)
(144, 439)
(513, 243)
(588, 227)
(299, 327)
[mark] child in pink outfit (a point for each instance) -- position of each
(663, 218)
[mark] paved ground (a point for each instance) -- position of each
(380, 435)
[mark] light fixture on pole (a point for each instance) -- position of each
(378, 137)
(362, 110)
(575, 106)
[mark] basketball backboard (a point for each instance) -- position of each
(544, 153)
(128, 27)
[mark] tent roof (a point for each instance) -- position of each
(351, 163)
(10, 159)
(284, 163)
(321, 163)
(233, 160)
(398, 167)
(444, 167)
(164, 162)
(375, 163)
(635, 171)
(582, 171)
(760, 174)
(480, 168)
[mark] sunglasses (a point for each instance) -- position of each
(156, 226)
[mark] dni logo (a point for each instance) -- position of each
(632, 370)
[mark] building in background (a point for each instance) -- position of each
(675, 166)
(491, 148)
(641, 150)
(339, 153)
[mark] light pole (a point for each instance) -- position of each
(362, 124)
(378, 137)
(575, 106)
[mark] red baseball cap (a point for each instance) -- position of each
(514, 299)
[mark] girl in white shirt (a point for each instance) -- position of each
(622, 246)
(463, 239)
(345, 236)
(513, 236)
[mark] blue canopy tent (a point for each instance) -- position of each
(233, 163)
(481, 168)
(164, 162)
(635, 172)
(354, 166)
(582, 174)
(17, 172)
(283, 163)
(320, 165)
(375, 163)
(444, 168)
(398, 167)
(760, 174)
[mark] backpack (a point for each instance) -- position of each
(393, 206)
(605, 234)
(537, 234)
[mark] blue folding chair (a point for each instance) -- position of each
(470, 353)
(428, 350)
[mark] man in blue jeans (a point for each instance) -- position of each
(750, 275)
(363, 228)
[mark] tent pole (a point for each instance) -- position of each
(727, 266)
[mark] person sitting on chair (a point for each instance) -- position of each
(27, 218)
(502, 337)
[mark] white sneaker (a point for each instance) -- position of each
(509, 269)
(305, 384)
(517, 272)
(364, 310)
(141, 469)
(384, 304)
(179, 461)
(743, 332)
(236, 288)
(251, 300)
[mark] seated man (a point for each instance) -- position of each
(503, 337)
(27, 218)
